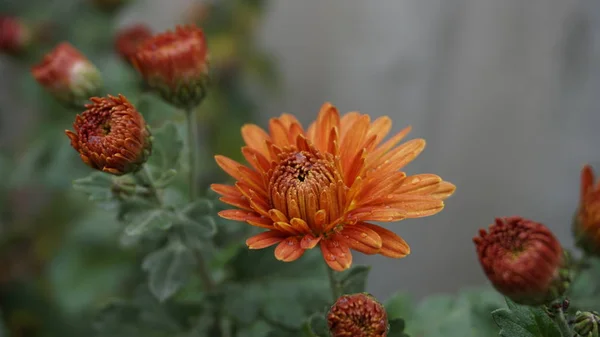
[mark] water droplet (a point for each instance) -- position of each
(290, 242)
(330, 257)
(363, 235)
(415, 181)
(335, 243)
(342, 254)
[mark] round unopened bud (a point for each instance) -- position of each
(111, 136)
(587, 324)
(68, 75)
(357, 315)
(15, 36)
(175, 64)
(129, 38)
(523, 260)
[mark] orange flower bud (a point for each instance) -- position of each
(111, 136)
(523, 260)
(15, 36)
(129, 38)
(175, 64)
(357, 315)
(586, 226)
(68, 75)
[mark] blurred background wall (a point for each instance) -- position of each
(505, 92)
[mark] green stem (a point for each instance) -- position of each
(192, 136)
(145, 178)
(563, 326)
(336, 292)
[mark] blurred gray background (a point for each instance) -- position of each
(505, 92)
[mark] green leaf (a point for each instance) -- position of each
(97, 186)
(257, 329)
(169, 269)
(399, 305)
(584, 292)
(317, 324)
(525, 321)
(397, 328)
(143, 220)
(354, 280)
(167, 145)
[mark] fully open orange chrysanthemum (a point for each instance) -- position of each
(322, 186)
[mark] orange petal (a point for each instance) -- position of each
(392, 245)
(300, 225)
(252, 218)
(422, 184)
(256, 138)
(374, 213)
(347, 121)
(226, 190)
(289, 250)
(241, 172)
(444, 190)
(279, 133)
(256, 159)
(380, 128)
(286, 228)
(309, 241)
(416, 206)
(587, 180)
(277, 216)
(336, 253)
(352, 142)
(362, 238)
(327, 119)
(400, 156)
(240, 202)
(374, 156)
(264, 240)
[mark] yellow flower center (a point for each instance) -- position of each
(305, 182)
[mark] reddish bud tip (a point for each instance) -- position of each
(129, 38)
(586, 225)
(15, 36)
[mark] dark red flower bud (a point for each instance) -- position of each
(129, 38)
(111, 136)
(175, 64)
(357, 315)
(586, 226)
(68, 75)
(15, 36)
(523, 260)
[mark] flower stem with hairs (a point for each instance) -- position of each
(336, 292)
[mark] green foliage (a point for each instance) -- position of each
(525, 321)
(585, 289)
(397, 328)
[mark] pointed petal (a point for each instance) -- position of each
(336, 253)
(416, 206)
(327, 119)
(289, 250)
(362, 238)
(380, 128)
(279, 133)
(252, 218)
(300, 225)
(240, 202)
(277, 216)
(385, 147)
(264, 240)
(587, 180)
(241, 173)
(352, 142)
(309, 241)
(347, 121)
(286, 228)
(392, 245)
(256, 159)
(444, 190)
(226, 190)
(421, 184)
(374, 213)
(256, 138)
(400, 156)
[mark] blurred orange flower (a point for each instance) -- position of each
(322, 186)
(15, 36)
(587, 220)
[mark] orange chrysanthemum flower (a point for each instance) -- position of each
(68, 75)
(175, 64)
(587, 220)
(128, 39)
(111, 136)
(322, 186)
